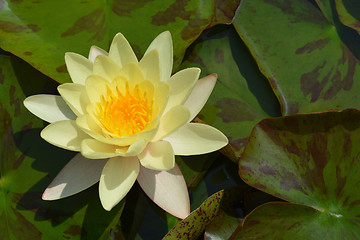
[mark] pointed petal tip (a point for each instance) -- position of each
(119, 34)
(51, 194)
(44, 195)
(96, 51)
(67, 54)
(181, 213)
(27, 102)
(106, 207)
(166, 33)
(100, 58)
(213, 75)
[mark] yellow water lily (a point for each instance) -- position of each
(128, 119)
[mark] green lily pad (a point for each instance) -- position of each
(311, 64)
(28, 164)
(242, 95)
(40, 32)
(295, 221)
(309, 159)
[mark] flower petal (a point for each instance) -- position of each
(79, 67)
(105, 67)
(171, 121)
(167, 189)
(161, 97)
(200, 94)
(94, 149)
(96, 51)
(196, 138)
(64, 134)
(77, 175)
(75, 96)
(121, 51)
(50, 108)
(181, 84)
(163, 43)
(150, 65)
(117, 178)
(158, 156)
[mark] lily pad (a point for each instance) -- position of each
(28, 164)
(40, 32)
(311, 64)
(309, 159)
(295, 221)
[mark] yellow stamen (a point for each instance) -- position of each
(124, 115)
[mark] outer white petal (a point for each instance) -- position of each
(196, 138)
(94, 149)
(96, 51)
(171, 121)
(79, 174)
(64, 134)
(121, 51)
(181, 84)
(117, 178)
(163, 43)
(75, 96)
(167, 189)
(200, 94)
(50, 108)
(79, 67)
(158, 156)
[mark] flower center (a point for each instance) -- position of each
(124, 115)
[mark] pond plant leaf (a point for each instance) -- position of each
(312, 161)
(31, 33)
(311, 63)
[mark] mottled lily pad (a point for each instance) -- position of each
(309, 159)
(40, 32)
(311, 64)
(283, 221)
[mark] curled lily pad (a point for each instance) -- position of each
(194, 225)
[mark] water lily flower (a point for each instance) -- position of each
(127, 119)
